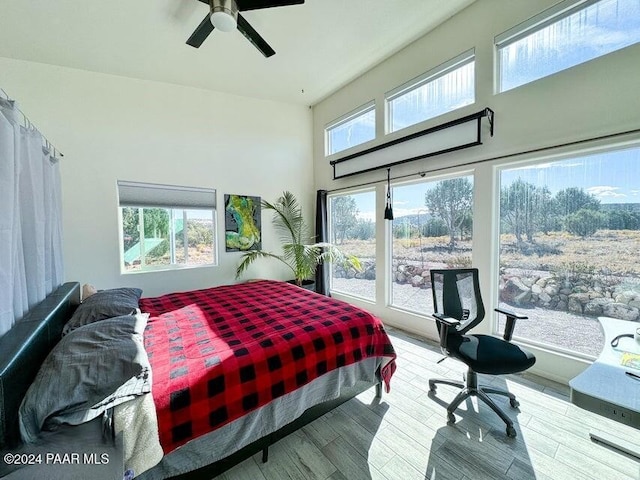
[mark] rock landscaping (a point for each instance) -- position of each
(583, 295)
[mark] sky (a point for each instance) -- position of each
(613, 177)
(603, 27)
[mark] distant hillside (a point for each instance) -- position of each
(413, 219)
(423, 218)
(625, 207)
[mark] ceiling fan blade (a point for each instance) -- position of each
(254, 37)
(257, 4)
(201, 33)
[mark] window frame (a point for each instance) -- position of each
(347, 117)
(538, 22)
(193, 198)
(528, 160)
(435, 177)
(432, 75)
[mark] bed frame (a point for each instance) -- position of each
(262, 445)
(24, 348)
(27, 344)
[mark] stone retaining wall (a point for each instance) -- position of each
(592, 298)
(588, 296)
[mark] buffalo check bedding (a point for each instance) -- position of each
(220, 353)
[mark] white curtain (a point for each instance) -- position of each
(30, 218)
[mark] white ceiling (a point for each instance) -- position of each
(320, 46)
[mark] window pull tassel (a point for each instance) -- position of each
(388, 209)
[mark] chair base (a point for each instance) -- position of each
(470, 388)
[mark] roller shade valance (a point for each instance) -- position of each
(138, 194)
(455, 135)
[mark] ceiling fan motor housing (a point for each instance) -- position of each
(224, 14)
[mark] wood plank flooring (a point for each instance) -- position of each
(405, 436)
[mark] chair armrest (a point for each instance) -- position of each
(511, 322)
(445, 324)
(448, 321)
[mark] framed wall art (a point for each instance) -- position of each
(242, 224)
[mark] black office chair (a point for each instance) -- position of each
(458, 308)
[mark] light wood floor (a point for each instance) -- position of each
(405, 436)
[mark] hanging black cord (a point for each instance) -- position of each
(388, 209)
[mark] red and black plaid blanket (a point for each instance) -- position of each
(219, 353)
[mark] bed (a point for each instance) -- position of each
(297, 356)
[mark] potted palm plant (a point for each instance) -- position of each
(301, 257)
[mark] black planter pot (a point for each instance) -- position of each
(306, 284)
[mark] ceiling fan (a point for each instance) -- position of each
(225, 16)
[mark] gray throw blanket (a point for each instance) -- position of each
(92, 369)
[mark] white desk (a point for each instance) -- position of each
(605, 388)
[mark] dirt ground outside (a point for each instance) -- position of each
(609, 256)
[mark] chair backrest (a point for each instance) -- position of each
(456, 294)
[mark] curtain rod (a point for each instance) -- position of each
(490, 159)
(29, 124)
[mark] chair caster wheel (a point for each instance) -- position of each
(432, 388)
(511, 432)
(514, 403)
(451, 419)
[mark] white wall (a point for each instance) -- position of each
(112, 128)
(590, 100)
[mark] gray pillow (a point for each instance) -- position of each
(104, 304)
(92, 369)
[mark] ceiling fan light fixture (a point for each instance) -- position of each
(224, 15)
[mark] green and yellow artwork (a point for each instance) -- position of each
(242, 223)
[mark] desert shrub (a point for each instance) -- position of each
(199, 234)
(575, 271)
(162, 250)
(404, 230)
(584, 222)
(623, 220)
(459, 261)
(435, 227)
(363, 230)
(539, 249)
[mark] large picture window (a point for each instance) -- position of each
(569, 245)
(432, 228)
(164, 227)
(566, 35)
(353, 229)
(446, 88)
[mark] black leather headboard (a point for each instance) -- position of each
(24, 348)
